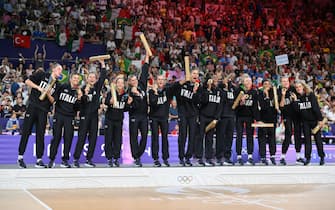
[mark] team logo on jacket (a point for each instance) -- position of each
(142, 93)
(214, 99)
(287, 101)
(67, 98)
(249, 101)
(230, 95)
(44, 85)
(186, 93)
(90, 95)
(162, 100)
(305, 105)
(119, 105)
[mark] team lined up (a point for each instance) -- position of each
(199, 104)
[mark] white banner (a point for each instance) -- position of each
(281, 59)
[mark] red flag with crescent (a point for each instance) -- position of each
(21, 41)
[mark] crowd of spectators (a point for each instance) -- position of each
(221, 37)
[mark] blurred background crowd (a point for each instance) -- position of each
(221, 37)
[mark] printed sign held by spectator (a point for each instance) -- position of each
(281, 59)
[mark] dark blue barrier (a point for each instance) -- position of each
(54, 52)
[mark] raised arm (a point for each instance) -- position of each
(103, 75)
(145, 72)
(31, 82)
(23, 58)
(36, 51)
(44, 52)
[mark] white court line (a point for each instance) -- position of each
(36, 199)
(239, 199)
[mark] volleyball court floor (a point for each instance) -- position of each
(307, 196)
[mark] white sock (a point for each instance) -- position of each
(283, 156)
(20, 157)
(239, 156)
(273, 156)
(298, 155)
(39, 159)
(249, 156)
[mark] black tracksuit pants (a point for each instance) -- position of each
(138, 123)
(224, 137)
(307, 128)
(288, 122)
(240, 122)
(267, 135)
(113, 138)
(187, 127)
(163, 125)
(88, 125)
(39, 118)
(199, 144)
(61, 122)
